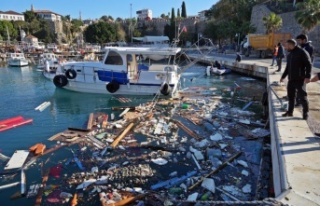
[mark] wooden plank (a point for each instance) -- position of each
(52, 138)
(90, 121)
(230, 159)
(124, 112)
(122, 135)
(41, 190)
(187, 130)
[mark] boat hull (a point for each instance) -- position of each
(18, 63)
(130, 88)
(216, 71)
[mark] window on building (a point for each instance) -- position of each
(114, 58)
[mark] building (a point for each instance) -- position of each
(202, 15)
(48, 15)
(144, 14)
(53, 18)
(11, 16)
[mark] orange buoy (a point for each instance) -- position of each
(37, 148)
(34, 147)
(40, 149)
(74, 200)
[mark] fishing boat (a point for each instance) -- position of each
(122, 71)
(48, 61)
(17, 60)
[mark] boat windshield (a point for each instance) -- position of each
(113, 58)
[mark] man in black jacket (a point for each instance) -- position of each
(303, 42)
(298, 70)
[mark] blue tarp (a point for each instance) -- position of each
(108, 76)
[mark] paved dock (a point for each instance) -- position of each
(295, 149)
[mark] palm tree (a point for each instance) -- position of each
(273, 22)
(308, 15)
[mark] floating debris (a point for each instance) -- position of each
(190, 148)
(17, 160)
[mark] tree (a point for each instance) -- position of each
(172, 33)
(239, 14)
(76, 25)
(32, 22)
(19, 25)
(6, 28)
(183, 10)
(120, 32)
(118, 19)
(166, 30)
(273, 22)
(106, 18)
(45, 34)
(178, 13)
(101, 32)
(29, 16)
(308, 15)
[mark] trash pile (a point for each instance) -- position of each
(163, 152)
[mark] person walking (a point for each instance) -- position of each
(298, 70)
(303, 42)
(280, 56)
(274, 55)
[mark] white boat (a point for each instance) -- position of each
(17, 60)
(122, 72)
(214, 70)
(48, 61)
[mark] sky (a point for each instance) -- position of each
(92, 9)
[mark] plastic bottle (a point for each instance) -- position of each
(175, 190)
(112, 116)
(184, 106)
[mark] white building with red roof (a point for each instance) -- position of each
(53, 18)
(11, 16)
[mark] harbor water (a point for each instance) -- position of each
(23, 89)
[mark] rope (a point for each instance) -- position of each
(266, 201)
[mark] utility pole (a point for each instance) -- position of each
(130, 28)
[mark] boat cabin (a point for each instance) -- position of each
(48, 56)
(15, 56)
(127, 64)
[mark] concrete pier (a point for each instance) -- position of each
(295, 149)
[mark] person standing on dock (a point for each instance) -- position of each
(280, 56)
(274, 55)
(298, 70)
(238, 58)
(303, 42)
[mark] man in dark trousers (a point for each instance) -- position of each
(280, 56)
(302, 40)
(298, 70)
